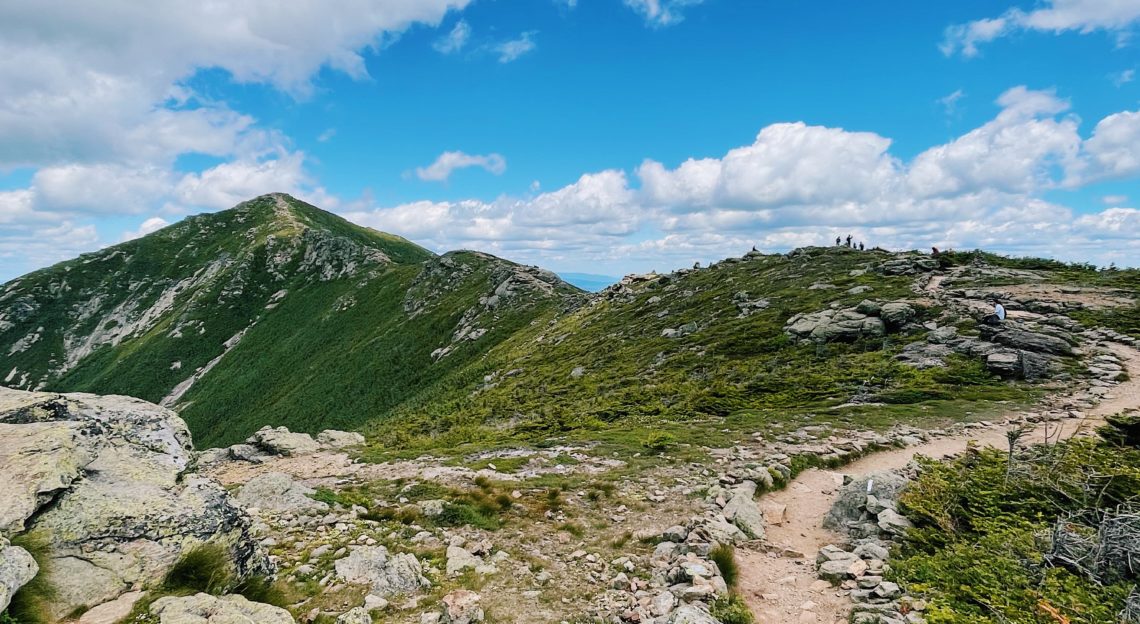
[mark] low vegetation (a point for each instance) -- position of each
(984, 549)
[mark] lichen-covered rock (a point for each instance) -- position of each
(461, 607)
(743, 511)
(691, 614)
(387, 574)
(281, 441)
(17, 568)
(132, 510)
(850, 505)
(207, 609)
(459, 560)
(277, 491)
(333, 439)
(359, 615)
(896, 313)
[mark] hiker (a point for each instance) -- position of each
(860, 245)
(848, 240)
(998, 314)
(934, 251)
(838, 241)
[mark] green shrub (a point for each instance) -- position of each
(976, 550)
(659, 441)
(464, 514)
(724, 556)
(731, 610)
(205, 568)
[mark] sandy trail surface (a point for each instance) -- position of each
(781, 587)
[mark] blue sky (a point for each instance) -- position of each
(597, 136)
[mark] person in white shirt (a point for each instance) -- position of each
(999, 310)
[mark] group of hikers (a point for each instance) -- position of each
(839, 243)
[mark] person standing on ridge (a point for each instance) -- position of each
(848, 240)
(838, 241)
(860, 245)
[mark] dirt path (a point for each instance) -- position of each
(781, 588)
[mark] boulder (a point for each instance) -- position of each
(333, 439)
(277, 491)
(1004, 363)
(207, 609)
(130, 511)
(17, 568)
(359, 615)
(280, 441)
(461, 607)
(387, 575)
(892, 522)
(459, 559)
(742, 511)
(850, 504)
(112, 612)
(690, 614)
(896, 314)
(1026, 340)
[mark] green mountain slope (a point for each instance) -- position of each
(273, 312)
(696, 351)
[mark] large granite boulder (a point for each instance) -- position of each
(207, 609)
(103, 479)
(17, 568)
(1025, 340)
(280, 441)
(387, 574)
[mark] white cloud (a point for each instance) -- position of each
(449, 162)
(1114, 200)
(661, 12)
(1055, 16)
(454, 40)
(149, 226)
(950, 102)
(1114, 149)
(229, 184)
(798, 184)
(511, 50)
(1122, 78)
(327, 135)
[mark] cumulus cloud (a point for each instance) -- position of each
(149, 226)
(798, 184)
(512, 49)
(449, 162)
(661, 12)
(1055, 16)
(95, 99)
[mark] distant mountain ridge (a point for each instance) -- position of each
(278, 313)
(273, 311)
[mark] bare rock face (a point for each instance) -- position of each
(202, 608)
(103, 479)
(276, 491)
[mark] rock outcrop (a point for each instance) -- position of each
(103, 479)
(207, 609)
(869, 319)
